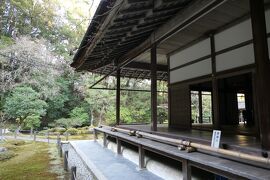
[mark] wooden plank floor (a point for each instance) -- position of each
(248, 144)
(229, 168)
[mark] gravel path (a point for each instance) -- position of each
(31, 139)
(83, 173)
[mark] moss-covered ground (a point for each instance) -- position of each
(32, 160)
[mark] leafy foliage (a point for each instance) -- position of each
(38, 87)
(25, 104)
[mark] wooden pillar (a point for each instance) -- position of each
(118, 97)
(262, 70)
(215, 96)
(118, 142)
(169, 92)
(200, 107)
(154, 88)
(186, 170)
(141, 157)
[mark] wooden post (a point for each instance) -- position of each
(154, 88)
(95, 134)
(48, 137)
(59, 145)
(73, 172)
(66, 136)
(186, 170)
(104, 140)
(15, 134)
(118, 97)
(58, 140)
(1, 134)
(141, 157)
(262, 70)
(215, 94)
(60, 150)
(200, 107)
(66, 161)
(35, 136)
(118, 142)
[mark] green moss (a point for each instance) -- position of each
(32, 162)
(5, 41)
(6, 155)
(16, 142)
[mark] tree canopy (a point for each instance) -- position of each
(24, 105)
(39, 88)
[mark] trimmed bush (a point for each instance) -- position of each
(43, 132)
(72, 131)
(6, 155)
(60, 130)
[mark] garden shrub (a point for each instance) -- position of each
(57, 130)
(43, 132)
(72, 131)
(60, 130)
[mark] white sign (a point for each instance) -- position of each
(216, 138)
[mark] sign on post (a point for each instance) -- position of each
(216, 138)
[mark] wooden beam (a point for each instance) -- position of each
(103, 27)
(146, 66)
(154, 88)
(262, 70)
(118, 96)
(135, 90)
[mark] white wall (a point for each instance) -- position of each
(192, 71)
(194, 52)
(239, 33)
(229, 37)
(235, 58)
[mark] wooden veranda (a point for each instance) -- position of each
(218, 46)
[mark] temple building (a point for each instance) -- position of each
(204, 49)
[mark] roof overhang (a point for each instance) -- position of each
(125, 32)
